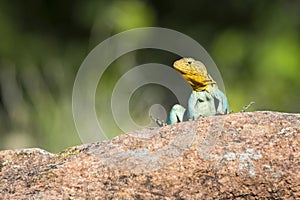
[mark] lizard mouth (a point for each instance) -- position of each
(179, 69)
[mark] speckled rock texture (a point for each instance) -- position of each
(253, 155)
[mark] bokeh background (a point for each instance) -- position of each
(255, 44)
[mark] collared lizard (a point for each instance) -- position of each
(206, 98)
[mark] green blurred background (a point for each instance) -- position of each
(255, 44)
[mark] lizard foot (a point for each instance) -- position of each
(159, 122)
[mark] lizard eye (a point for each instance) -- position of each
(189, 62)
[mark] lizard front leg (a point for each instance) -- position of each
(177, 114)
(221, 102)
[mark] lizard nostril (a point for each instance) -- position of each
(189, 62)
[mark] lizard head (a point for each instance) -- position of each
(194, 72)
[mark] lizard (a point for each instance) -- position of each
(206, 98)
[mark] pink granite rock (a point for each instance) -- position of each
(254, 155)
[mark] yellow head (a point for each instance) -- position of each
(194, 72)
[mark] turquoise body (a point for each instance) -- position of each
(200, 104)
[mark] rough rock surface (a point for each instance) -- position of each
(253, 155)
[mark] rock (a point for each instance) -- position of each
(254, 155)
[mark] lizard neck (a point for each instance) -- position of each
(199, 83)
(210, 87)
